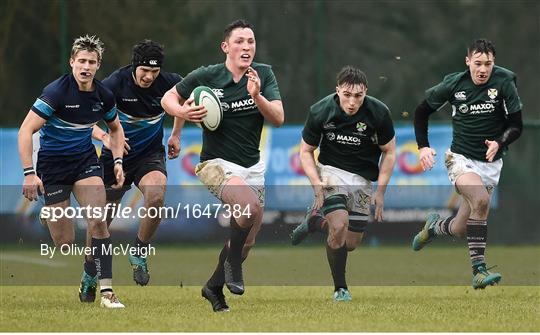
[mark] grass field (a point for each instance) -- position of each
(288, 289)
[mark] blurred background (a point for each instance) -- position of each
(404, 47)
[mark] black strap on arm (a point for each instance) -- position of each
(512, 131)
(421, 117)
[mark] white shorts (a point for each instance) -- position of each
(356, 188)
(458, 165)
(214, 173)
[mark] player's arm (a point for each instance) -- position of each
(31, 124)
(421, 120)
(514, 122)
(307, 159)
(177, 106)
(386, 166)
(101, 135)
(510, 134)
(117, 143)
(173, 144)
(271, 110)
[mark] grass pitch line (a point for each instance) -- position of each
(33, 260)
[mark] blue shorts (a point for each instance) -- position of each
(59, 173)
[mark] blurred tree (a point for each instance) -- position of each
(403, 46)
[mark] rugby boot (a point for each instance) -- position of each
(141, 276)
(425, 235)
(216, 298)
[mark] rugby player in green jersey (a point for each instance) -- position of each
(486, 118)
(231, 166)
(355, 135)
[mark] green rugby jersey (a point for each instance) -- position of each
(349, 142)
(238, 137)
(478, 112)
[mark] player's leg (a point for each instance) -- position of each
(87, 289)
(90, 191)
(236, 248)
(238, 194)
(435, 225)
(60, 227)
(471, 186)
(358, 204)
(337, 216)
(457, 165)
(313, 221)
(152, 186)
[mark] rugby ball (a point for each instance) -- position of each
(203, 95)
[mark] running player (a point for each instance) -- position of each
(486, 118)
(355, 135)
(67, 161)
(230, 160)
(138, 89)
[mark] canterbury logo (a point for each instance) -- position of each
(153, 62)
(460, 95)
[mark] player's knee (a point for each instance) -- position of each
(97, 227)
(336, 238)
(480, 204)
(254, 209)
(335, 243)
(338, 227)
(154, 199)
(61, 240)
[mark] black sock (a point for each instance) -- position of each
(476, 240)
(238, 239)
(90, 267)
(103, 257)
(217, 280)
(140, 245)
(442, 227)
(337, 259)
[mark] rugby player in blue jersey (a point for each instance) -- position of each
(67, 161)
(138, 89)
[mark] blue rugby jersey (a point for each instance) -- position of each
(139, 109)
(70, 115)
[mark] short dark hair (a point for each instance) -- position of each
(482, 46)
(350, 75)
(147, 53)
(241, 23)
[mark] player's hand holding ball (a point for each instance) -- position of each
(192, 112)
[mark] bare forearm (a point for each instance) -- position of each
(177, 126)
(385, 171)
(117, 142)
(25, 147)
(271, 110)
(170, 103)
(307, 160)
